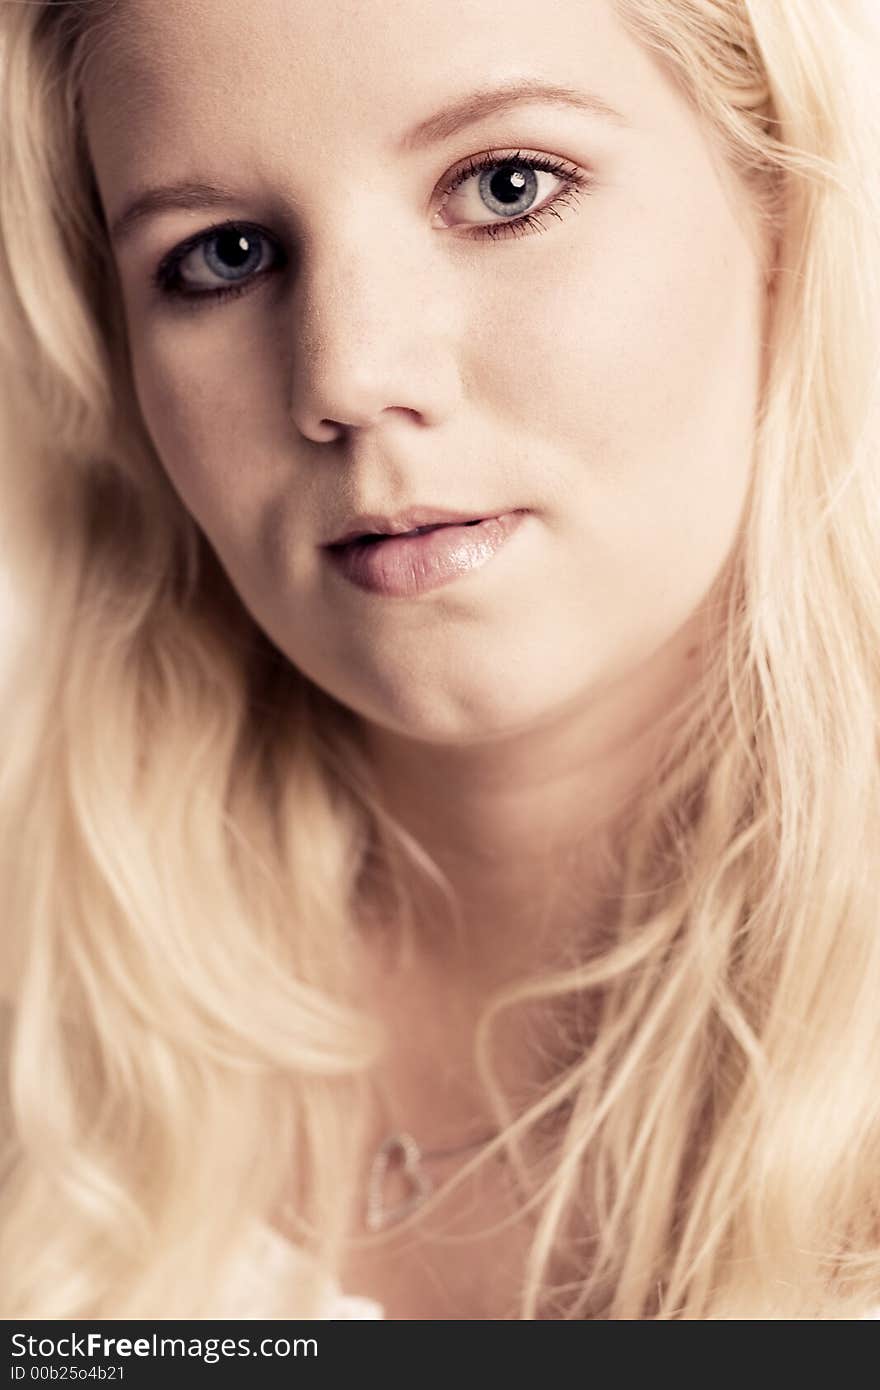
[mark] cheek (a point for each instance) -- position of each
(207, 438)
(168, 392)
(638, 339)
(631, 371)
(629, 380)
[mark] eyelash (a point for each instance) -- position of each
(575, 184)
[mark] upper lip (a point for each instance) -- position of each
(372, 524)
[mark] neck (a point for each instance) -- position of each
(525, 831)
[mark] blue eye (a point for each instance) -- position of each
(506, 186)
(217, 263)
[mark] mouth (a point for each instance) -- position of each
(406, 564)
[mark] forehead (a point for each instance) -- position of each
(309, 74)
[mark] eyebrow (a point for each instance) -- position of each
(477, 106)
(186, 194)
(490, 101)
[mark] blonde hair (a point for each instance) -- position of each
(185, 820)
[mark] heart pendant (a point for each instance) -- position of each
(402, 1150)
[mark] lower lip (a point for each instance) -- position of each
(405, 566)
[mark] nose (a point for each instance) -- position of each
(371, 340)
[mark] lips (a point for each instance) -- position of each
(407, 564)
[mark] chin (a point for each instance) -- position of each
(459, 718)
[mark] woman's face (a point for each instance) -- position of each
(394, 345)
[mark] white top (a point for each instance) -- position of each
(261, 1277)
(260, 1280)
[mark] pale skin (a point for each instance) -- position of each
(601, 371)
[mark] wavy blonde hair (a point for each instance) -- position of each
(185, 820)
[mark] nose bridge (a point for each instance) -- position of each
(370, 327)
(350, 293)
